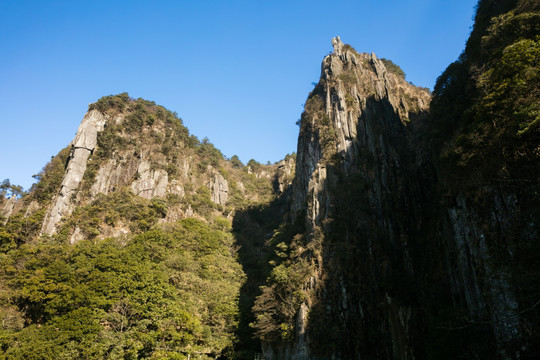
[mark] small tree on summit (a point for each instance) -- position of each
(393, 68)
(235, 161)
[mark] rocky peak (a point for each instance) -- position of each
(126, 147)
(344, 114)
(338, 45)
(354, 145)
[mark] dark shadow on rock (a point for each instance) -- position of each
(252, 227)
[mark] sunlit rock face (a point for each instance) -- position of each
(219, 188)
(83, 145)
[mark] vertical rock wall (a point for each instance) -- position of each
(354, 185)
(219, 189)
(409, 265)
(83, 145)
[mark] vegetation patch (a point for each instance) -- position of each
(166, 293)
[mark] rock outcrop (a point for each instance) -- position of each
(354, 184)
(7, 208)
(219, 188)
(133, 146)
(150, 183)
(284, 175)
(82, 147)
(400, 258)
(366, 244)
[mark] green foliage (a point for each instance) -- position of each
(290, 156)
(348, 77)
(327, 137)
(393, 68)
(511, 87)
(348, 47)
(160, 291)
(259, 188)
(111, 103)
(235, 161)
(166, 293)
(497, 107)
(506, 29)
(201, 202)
(7, 189)
(20, 228)
(121, 207)
(138, 114)
(50, 178)
(349, 99)
(315, 120)
(276, 307)
(209, 155)
(253, 164)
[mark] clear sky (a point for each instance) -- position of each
(236, 72)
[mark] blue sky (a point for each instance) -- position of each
(236, 72)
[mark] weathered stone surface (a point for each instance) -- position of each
(114, 174)
(76, 236)
(7, 209)
(362, 171)
(32, 208)
(338, 45)
(175, 213)
(175, 187)
(359, 96)
(356, 126)
(82, 146)
(485, 287)
(284, 175)
(219, 188)
(150, 182)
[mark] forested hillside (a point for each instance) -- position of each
(141, 262)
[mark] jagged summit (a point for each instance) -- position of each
(395, 251)
(356, 94)
(354, 147)
(337, 44)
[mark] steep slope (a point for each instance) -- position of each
(138, 148)
(410, 230)
(413, 235)
(123, 249)
(486, 124)
(343, 286)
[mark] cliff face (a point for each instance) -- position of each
(363, 202)
(484, 119)
(82, 147)
(357, 193)
(394, 249)
(354, 110)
